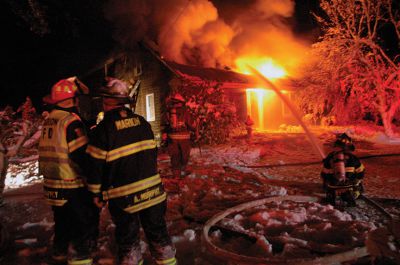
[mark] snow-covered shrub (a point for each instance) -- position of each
(215, 114)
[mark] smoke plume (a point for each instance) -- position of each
(210, 33)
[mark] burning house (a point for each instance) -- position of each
(152, 78)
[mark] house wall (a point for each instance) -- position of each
(154, 79)
(138, 64)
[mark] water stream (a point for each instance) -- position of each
(314, 142)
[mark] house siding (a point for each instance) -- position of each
(154, 79)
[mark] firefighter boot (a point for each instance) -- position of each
(164, 255)
(59, 255)
(79, 255)
(349, 198)
(331, 197)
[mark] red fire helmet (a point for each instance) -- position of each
(62, 90)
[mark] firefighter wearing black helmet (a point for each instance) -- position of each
(341, 168)
(124, 174)
(177, 134)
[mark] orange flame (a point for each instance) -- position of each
(266, 66)
(259, 99)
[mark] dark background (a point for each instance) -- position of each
(72, 39)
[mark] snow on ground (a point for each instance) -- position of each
(220, 178)
(297, 230)
(22, 174)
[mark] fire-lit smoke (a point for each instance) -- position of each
(211, 33)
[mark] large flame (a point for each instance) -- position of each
(259, 100)
(267, 66)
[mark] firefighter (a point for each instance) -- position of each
(62, 154)
(179, 125)
(123, 156)
(249, 126)
(341, 168)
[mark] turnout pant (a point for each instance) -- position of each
(179, 151)
(76, 224)
(127, 234)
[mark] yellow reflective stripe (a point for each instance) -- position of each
(63, 184)
(80, 262)
(170, 261)
(179, 136)
(96, 152)
(327, 170)
(140, 262)
(55, 202)
(350, 169)
(130, 149)
(340, 186)
(95, 188)
(69, 119)
(52, 149)
(360, 169)
(146, 204)
(53, 159)
(77, 143)
(132, 188)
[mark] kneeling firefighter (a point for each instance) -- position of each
(123, 154)
(341, 168)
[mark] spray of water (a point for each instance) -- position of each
(314, 142)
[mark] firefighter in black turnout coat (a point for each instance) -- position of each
(177, 134)
(342, 170)
(61, 161)
(124, 173)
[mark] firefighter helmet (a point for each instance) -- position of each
(344, 141)
(114, 88)
(175, 99)
(62, 90)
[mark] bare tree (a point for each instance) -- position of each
(356, 65)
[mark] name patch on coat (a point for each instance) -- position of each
(51, 194)
(127, 123)
(147, 195)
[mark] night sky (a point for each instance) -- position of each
(75, 39)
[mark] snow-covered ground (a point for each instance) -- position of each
(224, 176)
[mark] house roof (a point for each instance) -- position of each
(227, 79)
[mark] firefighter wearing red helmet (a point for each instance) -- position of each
(61, 155)
(341, 168)
(177, 134)
(123, 155)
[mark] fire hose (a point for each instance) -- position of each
(315, 162)
(236, 258)
(266, 82)
(359, 252)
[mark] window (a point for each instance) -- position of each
(150, 111)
